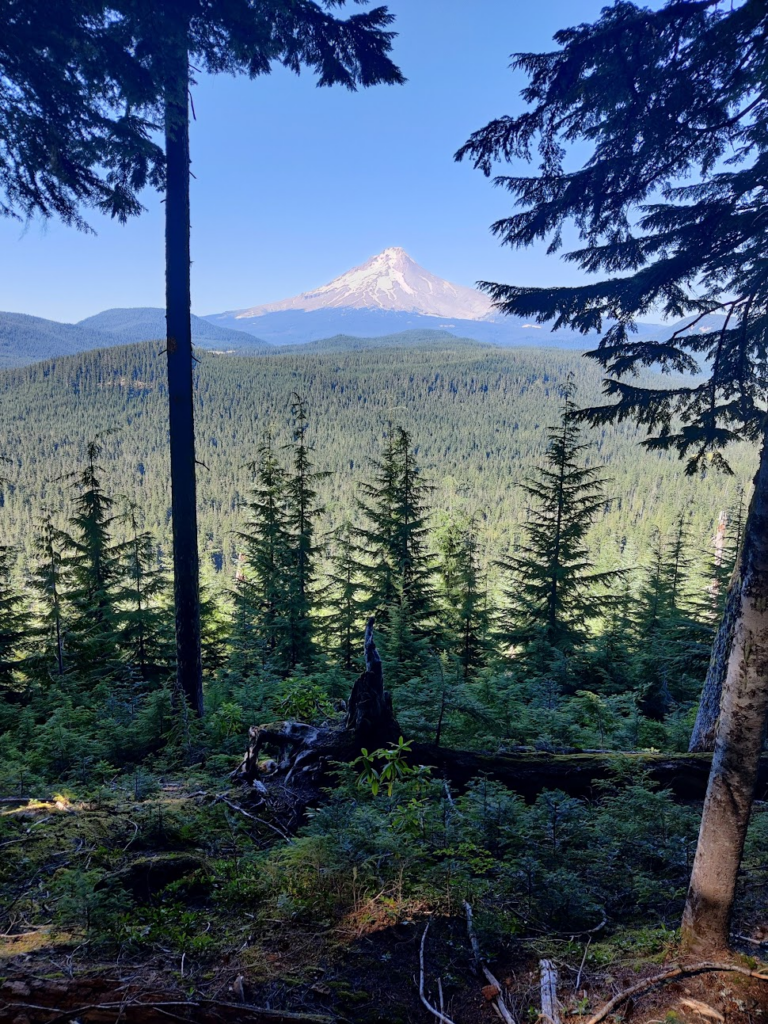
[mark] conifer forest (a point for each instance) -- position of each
(398, 679)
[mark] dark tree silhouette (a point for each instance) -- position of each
(669, 204)
(71, 132)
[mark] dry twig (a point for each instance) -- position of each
(501, 1008)
(432, 1009)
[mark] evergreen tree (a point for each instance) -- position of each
(670, 643)
(344, 608)
(14, 624)
(672, 105)
(465, 615)
(376, 539)
(13, 621)
(262, 587)
(92, 573)
(553, 592)
(47, 582)
(302, 512)
(399, 568)
(142, 635)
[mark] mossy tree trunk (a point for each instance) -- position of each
(739, 741)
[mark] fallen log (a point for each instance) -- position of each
(529, 774)
(308, 754)
(550, 1007)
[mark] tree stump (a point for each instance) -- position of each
(305, 754)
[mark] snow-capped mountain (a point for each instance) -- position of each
(391, 281)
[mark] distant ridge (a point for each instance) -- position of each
(29, 339)
(147, 323)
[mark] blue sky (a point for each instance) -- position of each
(294, 184)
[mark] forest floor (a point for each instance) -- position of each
(142, 907)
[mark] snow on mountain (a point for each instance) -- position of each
(389, 281)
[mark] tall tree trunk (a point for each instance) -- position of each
(705, 726)
(740, 732)
(179, 348)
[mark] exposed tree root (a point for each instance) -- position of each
(680, 971)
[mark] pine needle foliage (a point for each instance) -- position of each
(672, 105)
(552, 592)
(343, 604)
(142, 636)
(48, 585)
(463, 599)
(398, 567)
(261, 612)
(302, 512)
(92, 571)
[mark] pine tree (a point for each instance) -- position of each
(92, 574)
(13, 620)
(378, 506)
(463, 597)
(670, 650)
(142, 635)
(47, 582)
(14, 624)
(553, 584)
(302, 512)
(344, 608)
(398, 570)
(262, 587)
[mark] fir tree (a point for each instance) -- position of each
(398, 573)
(670, 644)
(13, 620)
(14, 625)
(47, 582)
(92, 573)
(344, 608)
(465, 615)
(553, 592)
(262, 591)
(302, 512)
(378, 506)
(142, 635)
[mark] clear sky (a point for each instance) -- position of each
(294, 185)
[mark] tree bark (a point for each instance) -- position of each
(705, 726)
(739, 742)
(180, 389)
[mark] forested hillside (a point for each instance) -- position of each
(478, 417)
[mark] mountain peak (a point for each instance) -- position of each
(391, 280)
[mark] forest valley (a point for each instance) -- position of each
(427, 738)
(500, 757)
